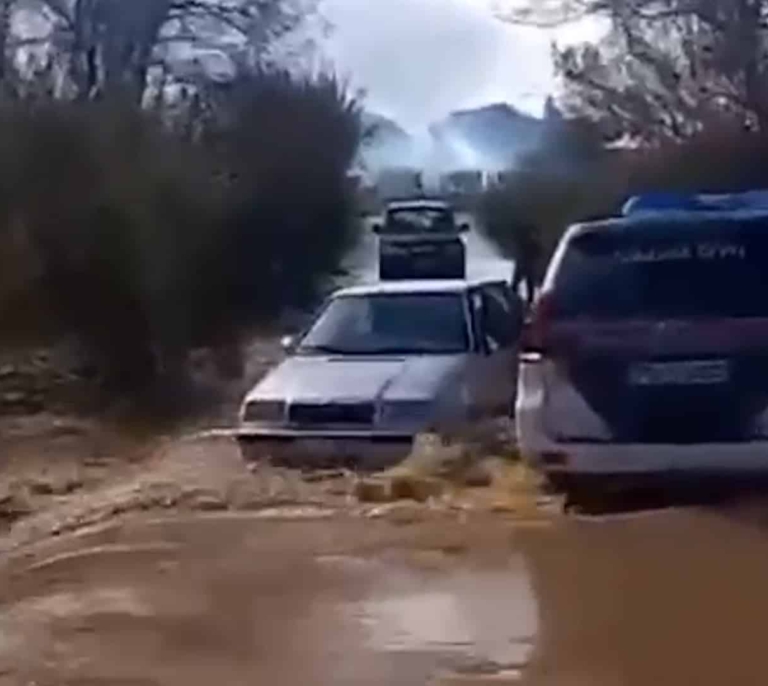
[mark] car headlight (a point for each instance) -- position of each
(406, 413)
(272, 411)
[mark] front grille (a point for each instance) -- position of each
(314, 414)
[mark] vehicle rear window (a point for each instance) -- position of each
(419, 220)
(669, 271)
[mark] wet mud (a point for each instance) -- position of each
(671, 596)
(228, 598)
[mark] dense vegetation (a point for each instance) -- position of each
(148, 224)
(678, 88)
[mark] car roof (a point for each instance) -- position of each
(417, 286)
(418, 204)
(661, 219)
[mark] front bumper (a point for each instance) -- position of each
(317, 449)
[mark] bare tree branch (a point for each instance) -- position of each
(666, 67)
(111, 44)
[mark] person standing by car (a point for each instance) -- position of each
(527, 254)
(419, 183)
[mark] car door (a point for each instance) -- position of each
(497, 315)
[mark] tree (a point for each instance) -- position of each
(6, 11)
(109, 46)
(667, 68)
(144, 245)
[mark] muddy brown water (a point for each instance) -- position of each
(671, 597)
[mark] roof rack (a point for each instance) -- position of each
(701, 202)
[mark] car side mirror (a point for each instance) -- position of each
(376, 228)
(288, 343)
(463, 227)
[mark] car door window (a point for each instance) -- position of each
(499, 318)
(476, 317)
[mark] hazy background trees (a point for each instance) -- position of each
(666, 69)
(98, 47)
(676, 94)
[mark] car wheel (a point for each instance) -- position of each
(512, 407)
(574, 489)
(594, 495)
(250, 452)
(459, 268)
(387, 272)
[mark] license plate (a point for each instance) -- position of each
(688, 373)
(337, 448)
(320, 446)
(423, 267)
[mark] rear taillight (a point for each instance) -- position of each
(536, 328)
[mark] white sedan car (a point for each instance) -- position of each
(380, 364)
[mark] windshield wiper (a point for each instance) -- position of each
(383, 350)
(327, 349)
(419, 350)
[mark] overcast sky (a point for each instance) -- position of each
(420, 59)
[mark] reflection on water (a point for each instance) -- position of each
(678, 597)
(420, 621)
(466, 620)
(673, 598)
(272, 615)
(124, 601)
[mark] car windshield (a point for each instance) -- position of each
(418, 220)
(370, 324)
(713, 270)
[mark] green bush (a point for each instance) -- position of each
(144, 242)
(536, 206)
(538, 200)
(288, 145)
(719, 160)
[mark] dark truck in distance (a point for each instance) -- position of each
(421, 239)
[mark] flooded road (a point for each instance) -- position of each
(665, 598)
(676, 597)
(196, 600)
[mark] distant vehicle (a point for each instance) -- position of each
(647, 351)
(499, 178)
(380, 364)
(464, 182)
(421, 239)
(399, 184)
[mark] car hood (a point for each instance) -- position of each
(329, 379)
